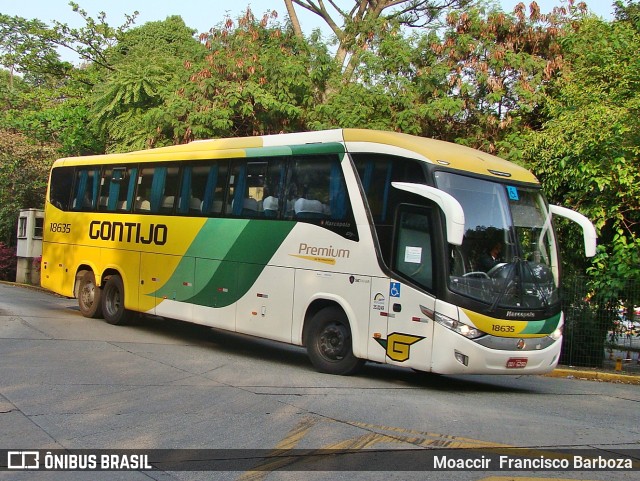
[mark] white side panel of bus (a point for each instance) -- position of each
(351, 292)
(266, 309)
(378, 318)
(222, 314)
(168, 300)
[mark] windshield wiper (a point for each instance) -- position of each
(507, 283)
(542, 296)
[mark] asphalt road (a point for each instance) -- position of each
(67, 382)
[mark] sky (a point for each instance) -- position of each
(204, 14)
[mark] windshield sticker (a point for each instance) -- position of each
(413, 255)
(513, 192)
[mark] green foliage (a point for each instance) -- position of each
(587, 153)
(628, 11)
(258, 78)
(92, 41)
(132, 108)
(24, 172)
(496, 65)
(27, 48)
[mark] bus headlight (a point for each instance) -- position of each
(459, 327)
(557, 334)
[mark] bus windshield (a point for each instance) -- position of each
(508, 257)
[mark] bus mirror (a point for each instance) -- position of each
(452, 209)
(588, 230)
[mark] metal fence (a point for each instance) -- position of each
(601, 334)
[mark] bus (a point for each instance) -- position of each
(359, 245)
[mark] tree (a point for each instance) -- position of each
(257, 78)
(24, 50)
(24, 169)
(477, 81)
(628, 12)
(29, 47)
(134, 107)
(92, 41)
(353, 26)
(587, 153)
(497, 66)
(51, 103)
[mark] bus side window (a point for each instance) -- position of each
(245, 188)
(127, 190)
(169, 190)
(376, 172)
(143, 190)
(413, 257)
(256, 187)
(316, 193)
(86, 189)
(209, 186)
(61, 187)
(273, 198)
(187, 198)
(113, 192)
(157, 189)
(316, 189)
(198, 189)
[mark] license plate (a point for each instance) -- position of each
(516, 362)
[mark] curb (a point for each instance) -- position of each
(568, 373)
(29, 286)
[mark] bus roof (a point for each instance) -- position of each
(448, 154)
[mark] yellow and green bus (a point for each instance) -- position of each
(358, 244)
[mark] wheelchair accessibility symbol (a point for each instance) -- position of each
(394, 289)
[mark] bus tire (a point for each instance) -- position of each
(89, 296)
(113, 301)
(328, 340)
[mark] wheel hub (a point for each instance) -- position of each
(333, 341)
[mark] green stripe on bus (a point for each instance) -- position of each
(229, 255)
(329, 148)
(288, 150)
(268, 151)
(545, 326)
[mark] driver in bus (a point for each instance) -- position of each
(491, 257)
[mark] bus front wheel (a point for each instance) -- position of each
(113, 301)
(329, 342)
(89, 296)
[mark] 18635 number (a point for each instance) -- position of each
(60, 227)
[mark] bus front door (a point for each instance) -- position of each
(411, 307)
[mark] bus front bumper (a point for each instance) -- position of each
(455, 354)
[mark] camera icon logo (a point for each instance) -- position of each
(23, 460)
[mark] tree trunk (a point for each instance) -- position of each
(295, 23)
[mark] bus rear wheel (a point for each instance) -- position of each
(89, 296)
(329, 342)
(113, 301)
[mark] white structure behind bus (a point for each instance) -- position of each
(29, 249)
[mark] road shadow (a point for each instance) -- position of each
(258, 349)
